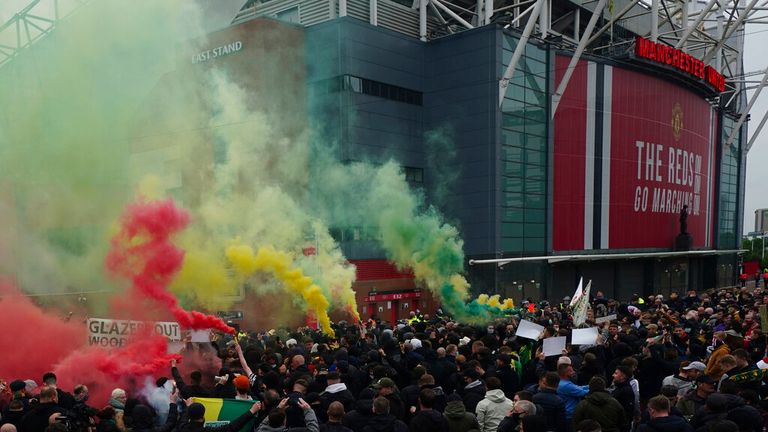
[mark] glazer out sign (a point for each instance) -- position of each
(213, 53)
(664, 54)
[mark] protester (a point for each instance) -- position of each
(702, 352)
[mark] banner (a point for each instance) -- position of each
(219, 412)
(111, 333)
(580, 307)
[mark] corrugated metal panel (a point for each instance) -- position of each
(378, 270)
(266, 9)
(399, 18)
(360, 9)
(314, 12)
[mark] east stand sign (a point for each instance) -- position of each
(111, 333)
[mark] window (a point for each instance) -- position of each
(365, 86)
(414, 175)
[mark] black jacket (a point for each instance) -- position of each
(472, 396)
(666, 424)
(510, 382)
(385, 423)
(428, 420)
(554, 409)
(144, 419)
(36, 420)
(626, 397)
(188, 391)
(334, 427)
(360, 416)
(345, 397)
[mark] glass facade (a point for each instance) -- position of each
(727, 226)
(524, 151)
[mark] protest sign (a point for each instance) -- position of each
(586, 336)
(529, 330)
(111, 333)
(554, 346)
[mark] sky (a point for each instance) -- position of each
(218, 13)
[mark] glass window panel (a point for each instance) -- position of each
(534, 201)
(536, 128)
(513, 199)
(513, 169)
(535, 172)
(511, 229)
(512, 138)
(535, 67)
(535, 142)
(534, 244)
(513, 154)
(534, 230)
(512, 184)
(511, 214)
(534, 215)
(535, 157)
(509, 43)
(512, 244)
(535, 113)
(513, 106)
(536, 53)
(534, 186)
(513, 122)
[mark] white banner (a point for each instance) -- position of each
(111, 333)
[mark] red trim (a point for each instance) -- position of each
(393, 296)
(378, 270)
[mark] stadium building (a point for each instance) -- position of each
(562, 137)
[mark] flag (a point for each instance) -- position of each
(581, 306)
(219, 412)
(577, 295)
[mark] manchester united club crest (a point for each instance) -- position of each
(677, 121)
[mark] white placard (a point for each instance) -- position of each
(109, 333)
(608, 318)
(554, 346)
(200, 336)
(585, 336)
(529, 330)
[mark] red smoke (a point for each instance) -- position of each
(32, 341)
(102, 371)
(143, 253)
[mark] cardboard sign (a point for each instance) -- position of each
(587, 336)
(554, 346)
(109, 333)
(529, 330)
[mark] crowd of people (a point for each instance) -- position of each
(691, 362)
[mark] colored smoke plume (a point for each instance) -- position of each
(280, 264)
(142, 252)
(33, 340)
(257, 195)
(421, 241)
(125, 367)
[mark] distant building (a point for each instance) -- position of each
(761, 220)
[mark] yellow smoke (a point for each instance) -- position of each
(280, 264)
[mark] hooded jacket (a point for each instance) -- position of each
(666, 424)
(459, 420)
(384, 423)
(604, 409)
(491, 410)
(473, 393)
(336, 393)
(428, 420)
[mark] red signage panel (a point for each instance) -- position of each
(630, 150)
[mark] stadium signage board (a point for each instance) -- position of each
(683, 62)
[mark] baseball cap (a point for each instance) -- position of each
(733, 333)
(699, 366)
(385, 382)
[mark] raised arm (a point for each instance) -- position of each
(243, 363)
